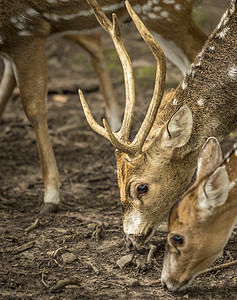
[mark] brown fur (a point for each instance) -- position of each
(205, 233)
(167, 171)
(25, 25)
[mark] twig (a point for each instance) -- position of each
(42, 278)
(33, 226)
(82, 217)
(223, 266)
(59, 251)
(154, 282)
(24, 247)
(151, 253)
(98, 231)
(65, 282)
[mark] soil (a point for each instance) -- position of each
(73, 253)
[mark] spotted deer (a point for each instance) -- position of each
(24, 28)
(201, 222)
(157, 166)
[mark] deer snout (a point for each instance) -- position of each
(174, 285)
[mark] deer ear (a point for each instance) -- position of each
(177, 131)
(209, 157)
(215, 191)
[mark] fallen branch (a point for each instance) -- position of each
(82, 217)
(33, 226)
(42, 278)
(63, 283)
(151, 283)
(151, 253)
(223, 266)
(23, 247)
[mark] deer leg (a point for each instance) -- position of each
(31, 74)
(92, 44)
(7, 85)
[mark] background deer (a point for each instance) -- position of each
(200, 224)
(158, 165)
(23, 30)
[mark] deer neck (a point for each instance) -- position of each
(209, 88)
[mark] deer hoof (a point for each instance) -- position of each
(48, 208)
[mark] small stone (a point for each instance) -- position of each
(68, 257)
(92, 225)
(132, 282)
(124, 261)
(50, 253)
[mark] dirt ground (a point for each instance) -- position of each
(73, 254)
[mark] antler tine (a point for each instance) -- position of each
(114, 32)
(159, 80)
(127, 148)
(91, 121)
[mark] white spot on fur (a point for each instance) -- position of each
(175, 102)
(137, 8)
(32, 12)
(164, 14)
(232, 184)
(152, 16)
(168, 1)
(198, 63)
(13, 20)
(223, 33)
(177, 7)
(201, 102)
(82, 13)
(184, 85)
(156, 8)
(52, 1)
(20, 26)
(232, 72)
(24, 33)
(223, 20)
(212, 48)
(147, 7)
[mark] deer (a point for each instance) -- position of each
(158, 165)
(24, 29)
(201, 222)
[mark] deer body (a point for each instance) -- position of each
(24, 27)
(201, 223)
(158, 165)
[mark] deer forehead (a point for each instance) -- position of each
(183, 211)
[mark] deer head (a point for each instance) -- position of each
(144, 190)
(200, 224)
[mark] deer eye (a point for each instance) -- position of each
(142, 189)
(177, 240)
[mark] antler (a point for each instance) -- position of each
(120, 140)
